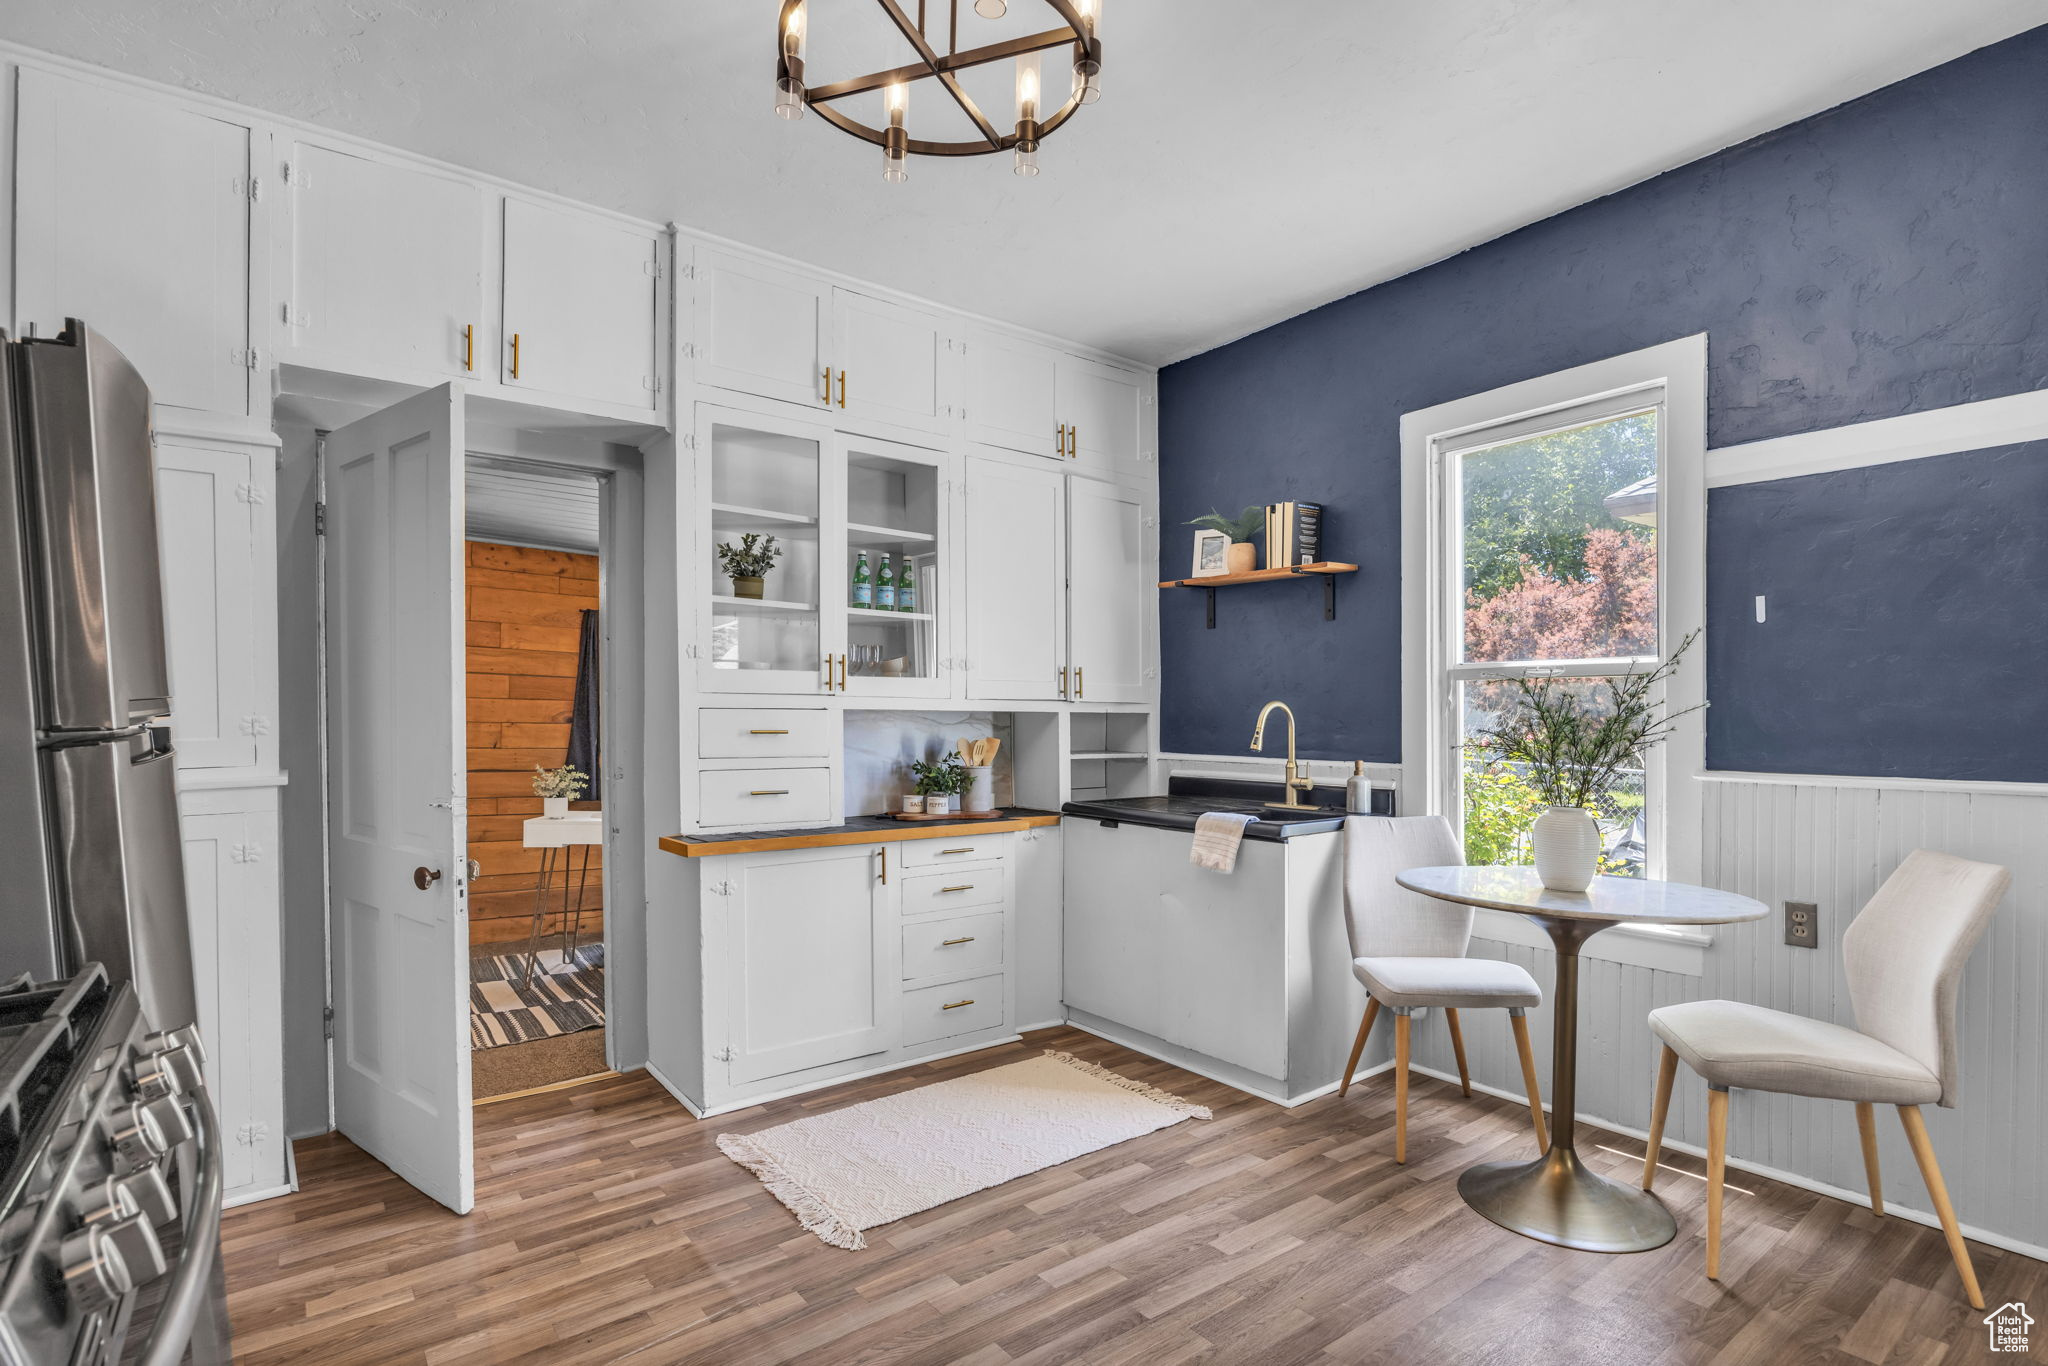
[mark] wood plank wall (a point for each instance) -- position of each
(523, 609)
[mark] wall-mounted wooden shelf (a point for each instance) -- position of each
(1328, 570)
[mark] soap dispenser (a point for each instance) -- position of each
(1358, 791)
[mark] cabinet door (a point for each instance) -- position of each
(1102, 407)
(132, 214)
(760, 329)
(897, 508)
(1010, 396)
(814, 965)
(1016, 590)
(1221, 948)
(890, 358)
(1111, 922)
(1109, 593)
(387, 268)
(205, 500)
(581, 294)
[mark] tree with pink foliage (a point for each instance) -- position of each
(1547, 615)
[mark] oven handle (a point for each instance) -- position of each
(192, 1281)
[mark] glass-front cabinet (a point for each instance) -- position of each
(843, 586)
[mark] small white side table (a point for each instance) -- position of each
(555, 837)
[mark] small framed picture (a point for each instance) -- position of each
(1212, 554)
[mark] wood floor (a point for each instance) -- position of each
(609, 1228)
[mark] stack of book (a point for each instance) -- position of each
(1294, 534)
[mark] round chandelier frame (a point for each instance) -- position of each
(1076, 32)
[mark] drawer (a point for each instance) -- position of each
(924, 893)
(763, 733)
(956, 946)
(764, 798)
(953, 1008)
(936, 853)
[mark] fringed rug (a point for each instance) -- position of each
(563, 997)
(883, 1160)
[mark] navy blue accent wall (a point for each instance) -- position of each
(1885, 257)
(1905, 630)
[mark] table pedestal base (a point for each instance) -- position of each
(1558, 1199)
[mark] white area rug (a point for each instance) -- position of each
(883, 1160)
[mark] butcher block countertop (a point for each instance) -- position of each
(858, 830)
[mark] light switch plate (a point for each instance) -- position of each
(1802, 924)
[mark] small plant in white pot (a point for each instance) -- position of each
(557, 787)
(1571, 747)
(937, 780)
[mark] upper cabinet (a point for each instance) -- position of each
(1102, 409)
(1010, 393)
(386, 276)
(1109, 592)
(887, 359)
(1016, 582)
(582, 304)
(760, 329)
(132, 213)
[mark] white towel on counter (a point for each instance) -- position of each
(1217, 835)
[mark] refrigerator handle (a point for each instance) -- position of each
(159, 746)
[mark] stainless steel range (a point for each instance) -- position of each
(110, 1183)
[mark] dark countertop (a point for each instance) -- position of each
(854, 830)
(1190, 797)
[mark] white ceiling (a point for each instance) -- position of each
(1247, 160)
(517, 503)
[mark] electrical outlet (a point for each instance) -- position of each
(1802, 924)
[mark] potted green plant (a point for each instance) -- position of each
(1242, 555)
(937, 780)
(747, 563)
(557, 787)
(1571, 746)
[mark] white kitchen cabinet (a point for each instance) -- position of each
(814, 975)
(1111, 939)
(132, 213)
(1009, 394)
(760, 329)
(887, 360)
(212, 520)
(582, 300)
(1222, 952)
(1016, 581)
(1103, 409)
(386, 276)
(1109, 592)
(895, 507)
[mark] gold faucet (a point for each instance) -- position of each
(1295, 781)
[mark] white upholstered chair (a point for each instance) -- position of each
(1903, 958)
(1409, 952)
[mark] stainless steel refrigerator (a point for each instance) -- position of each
(88, 803)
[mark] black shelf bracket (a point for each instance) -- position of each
(1329, 598)
(1212, 609)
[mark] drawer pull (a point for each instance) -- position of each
(949, 943)
(955, 1005)
(767, 732)
(769, 792)
(956, 851)
(963, 887)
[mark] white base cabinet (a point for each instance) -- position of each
(1244, 976)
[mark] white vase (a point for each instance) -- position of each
(1567, 841)
(981, 790)
(554, 808)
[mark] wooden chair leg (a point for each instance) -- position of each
(1372, 1008)
(1458, 1047)
(1402, 1023)
(1667, 1069)
(1717, 1170)
(1521, 1028)
(1866, 1125)
(1937, 1189)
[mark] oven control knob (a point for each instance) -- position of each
(138, 1137)
(134, 1242)
(149, 1193)
(173, 1072)
(171, 1120)
(108, 1201)
(188, 1037)
(93, 1271)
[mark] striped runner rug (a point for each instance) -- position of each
(562, 998)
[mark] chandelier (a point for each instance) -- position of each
(1080, 31)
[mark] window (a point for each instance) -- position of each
(1555, 530)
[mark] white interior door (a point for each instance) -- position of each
(397, 788)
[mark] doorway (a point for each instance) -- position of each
(533, 559)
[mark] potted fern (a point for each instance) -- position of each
(557, 787)
(1243, 556)
(1571, 746)
(748, 563)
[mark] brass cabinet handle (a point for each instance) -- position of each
(842, 673)
(885, 865)
(963, 887)
(955, 1005)
(767, 732)
(1063, 680)
(828, 673)
(515, 355)
(469, 347)
(1074, 443)
(842, 388)
(828, 386)
(1060, 445)
(957, 851)
(769, 792)
(948, 943)
(1080, 690)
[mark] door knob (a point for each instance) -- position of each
(423, 878)
(476, 870)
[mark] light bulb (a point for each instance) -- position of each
(895, 141)
(897, 97)
(789, 75)
(1088, 53)
(1027, 87)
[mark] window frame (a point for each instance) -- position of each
(1672, 378)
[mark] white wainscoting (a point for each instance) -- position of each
(1831, 841)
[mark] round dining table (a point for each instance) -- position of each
(1557, 1198)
